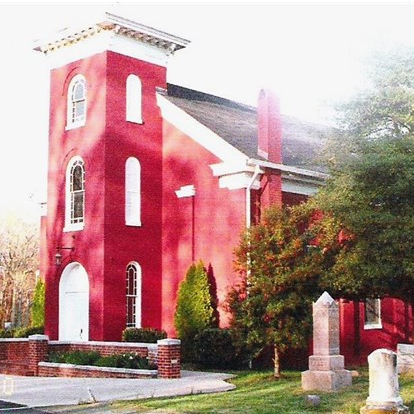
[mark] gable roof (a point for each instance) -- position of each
(236, 123)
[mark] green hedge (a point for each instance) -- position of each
(128, 360)
(145, 335)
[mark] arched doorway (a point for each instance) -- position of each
(74, 304)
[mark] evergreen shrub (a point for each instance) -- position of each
(26, 332)
(145, 335)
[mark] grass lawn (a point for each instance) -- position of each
(259, 393)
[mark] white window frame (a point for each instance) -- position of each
(72, 224)
(377, 323)
(134, 99)
(134, 298)
(71, 121)
(132, 192)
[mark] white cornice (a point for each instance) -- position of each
(199, 132)
(111, 33)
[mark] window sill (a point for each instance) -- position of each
(135, 121)
(137, 224)
(74, 125)
(372, 326)
(73, 227)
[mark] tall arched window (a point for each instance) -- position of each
(134, 99)
(132, 192)
(76, 115)
(133, 295)
(75, 195)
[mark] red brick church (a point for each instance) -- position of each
(146, 177)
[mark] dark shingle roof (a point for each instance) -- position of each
(302, 142)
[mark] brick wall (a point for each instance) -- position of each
(47, 369)
(22, 357)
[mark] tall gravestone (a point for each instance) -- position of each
(326, 366)
(384, 395)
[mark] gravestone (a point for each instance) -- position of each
(405, 358)
(326, 366)
(384, 395)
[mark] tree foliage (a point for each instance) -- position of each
(195, 309)
(373, 200)
(281, 261)
(19, 260)
(371, 191)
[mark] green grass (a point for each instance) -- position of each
(259, 393)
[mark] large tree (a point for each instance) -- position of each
(371, 192)
(372, 198)
(281, 261)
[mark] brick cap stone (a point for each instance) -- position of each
(325, 299)
(38, 338)
(168, 342)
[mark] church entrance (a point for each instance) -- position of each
(74, 304)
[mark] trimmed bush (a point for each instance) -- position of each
(195, 309)
(145, 335)
(75, 357)
(216, 348)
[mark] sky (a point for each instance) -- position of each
(310, 54)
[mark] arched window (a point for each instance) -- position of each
(134, 99)
(76, 115)
(132, 192)
(133, 295)
(75, 195)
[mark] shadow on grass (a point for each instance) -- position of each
(259, 393)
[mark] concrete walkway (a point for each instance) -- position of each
(48, 392)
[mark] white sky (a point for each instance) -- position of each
(310, 53)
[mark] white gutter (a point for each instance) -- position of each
(248, 200)
(287, 169)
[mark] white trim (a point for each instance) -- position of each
(70, 123)
(186, 191)
(138, 296)
(133, 192)
(68, 202)
(368, 326)
(295, 185)
(227, 168)
(248, 195)
(101, 41)
(199, 132)
(133, 96)
(288, 169)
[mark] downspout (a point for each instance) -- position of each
(248, 223)
(248, 198)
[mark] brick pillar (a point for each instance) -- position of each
(3, 350)
(38, 350)
(169, 358)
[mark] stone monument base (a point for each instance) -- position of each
(326, 380)
(385, 409)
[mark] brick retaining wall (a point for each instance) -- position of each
(22, 356)
(48, 369)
